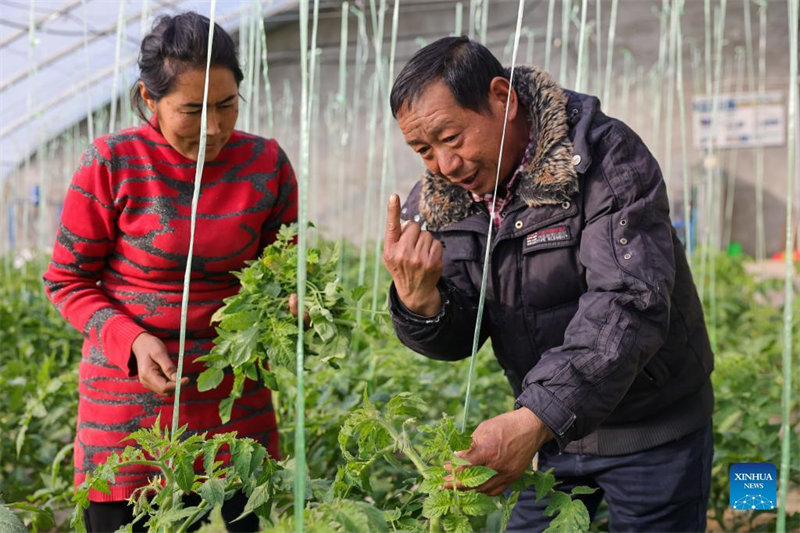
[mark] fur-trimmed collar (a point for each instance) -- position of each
(549, 177)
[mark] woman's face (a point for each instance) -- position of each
(179, 112)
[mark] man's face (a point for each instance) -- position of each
(459, 144)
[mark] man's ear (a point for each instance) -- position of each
(149, 101)
(499, 97)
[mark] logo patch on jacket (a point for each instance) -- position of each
(545, 237)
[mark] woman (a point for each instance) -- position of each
(120, 254)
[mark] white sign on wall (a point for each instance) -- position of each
(743, 120)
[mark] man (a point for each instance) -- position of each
(590, 304)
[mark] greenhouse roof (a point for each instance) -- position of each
(60, 58)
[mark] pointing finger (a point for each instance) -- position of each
(393, 228)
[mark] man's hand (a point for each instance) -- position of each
(414, 260)
(506, 444)
(156, 370)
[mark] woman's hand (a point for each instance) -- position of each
(155, 368)
(293, 309)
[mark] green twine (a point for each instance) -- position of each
(302, 188)
(788, 319)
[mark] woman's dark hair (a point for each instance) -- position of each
(465, 66)
(177, 44)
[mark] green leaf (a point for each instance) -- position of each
(460, 441)
(456, 523)
(357, 293)
(212, 491)
(729, 421)
(260, 496)
(476, 504)
(209, 379)
(437, 504)
(244, 345)
(405, 404)
(257, 458)
(242, 453)
(9, 522)
(472, 476)
(225, 408)
(324, 329)
(570, 515)
(581, 489)
(210, 449)
(269, 380)
(543, 483)
(184, 472)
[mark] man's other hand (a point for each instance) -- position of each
(413, 257)
(506, 444)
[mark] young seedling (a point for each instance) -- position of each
(159, 505)
(370, 434)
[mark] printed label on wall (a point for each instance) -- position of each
(740, 120)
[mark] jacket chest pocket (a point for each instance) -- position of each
(550, 272)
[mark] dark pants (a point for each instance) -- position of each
(105, 517)
(664, 489)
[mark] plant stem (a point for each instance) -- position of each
(202, 508)
(405, 447)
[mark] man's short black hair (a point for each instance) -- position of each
(465, 66)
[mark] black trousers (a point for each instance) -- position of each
(106, 517)
(664, 489)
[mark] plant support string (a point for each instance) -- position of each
(484, 275)
(198, 179)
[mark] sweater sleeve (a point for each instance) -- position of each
(86, 237)
(284, 210)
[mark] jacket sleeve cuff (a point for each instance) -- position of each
(555, 415)
(118, 335)
(401, 312)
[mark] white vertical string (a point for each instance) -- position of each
(117, 50)
(484, 275)
(198, 178)
(612, 31)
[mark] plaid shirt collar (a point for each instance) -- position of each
(505, 191)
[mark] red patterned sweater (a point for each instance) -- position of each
(117, 270)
